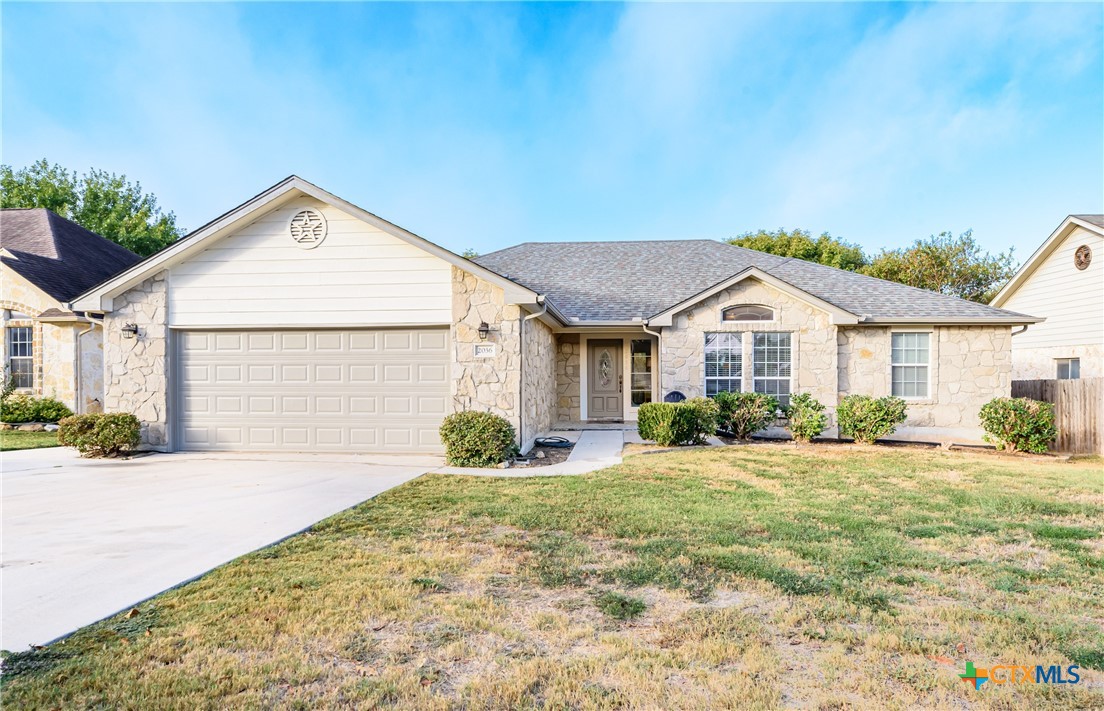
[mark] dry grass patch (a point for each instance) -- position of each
(738, 577)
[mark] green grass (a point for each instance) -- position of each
(11, 440)
(751, 577)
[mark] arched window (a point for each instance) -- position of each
(748, 312)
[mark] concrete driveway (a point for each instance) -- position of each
(84, 539)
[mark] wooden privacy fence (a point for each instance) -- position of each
(1077, 410)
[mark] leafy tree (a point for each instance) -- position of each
(103, 202)
(469, 253)
(950, 265)
(825, 249)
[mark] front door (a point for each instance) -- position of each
(604, 384)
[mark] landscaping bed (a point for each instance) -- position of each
(719, 577)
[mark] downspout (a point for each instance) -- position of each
(1016, 333)
(521, 365)
(78, 363)
(658, 359)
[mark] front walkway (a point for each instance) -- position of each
(594, 450)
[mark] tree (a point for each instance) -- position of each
(825, 249)
(951, 265)
(99, 201)
(469, 253)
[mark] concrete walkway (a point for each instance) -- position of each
(594, 450)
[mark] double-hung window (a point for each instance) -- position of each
(1069, 368)
(20, 348)
(724, 362)
(772, 360)
(910, 359)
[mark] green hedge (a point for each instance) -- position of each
(21, 407)
(100, 434)
(865, 419)
(670, 424)
(807, 418)
(477, 439)
(744, 414)
(1019, 424)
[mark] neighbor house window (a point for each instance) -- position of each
(724, 362)
(910, 358)
(748, 312)
(21, 355)
(771, 360)
(641, 372)
(1069, 368)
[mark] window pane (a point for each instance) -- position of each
(723, 362)
(771, 364)
(20, 348)
(748, 312)
(1075, 368)
(910, 348)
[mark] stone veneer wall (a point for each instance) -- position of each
(539, 381)
(1039, 363)
(135, 377)
(568, 374)
(486, 384)
(813, 341)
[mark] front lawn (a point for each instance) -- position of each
(739, 577)
(14, 439)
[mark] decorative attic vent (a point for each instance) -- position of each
(1082, 257)
(307, 228)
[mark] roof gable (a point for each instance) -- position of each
(1092, 223)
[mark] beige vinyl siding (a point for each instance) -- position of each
(1071, 300)
(359, 275)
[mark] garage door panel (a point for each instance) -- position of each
(383, 390)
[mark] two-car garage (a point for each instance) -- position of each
(317, 390)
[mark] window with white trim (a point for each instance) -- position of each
(724, 362)
(20, 346)
(748, 312)
(1069, 368)
(772, 361)
(640, 371)
(910, 360)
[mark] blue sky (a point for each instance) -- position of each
(490, 124)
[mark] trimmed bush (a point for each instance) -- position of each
(744, 414)
(21, 407)
(1019, 424)
(100, 434)
(865, 419)
(477, 439)
(670, 424)
(807, 418)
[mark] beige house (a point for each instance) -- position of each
(45, 261)
(300, 321)
(1063, 282)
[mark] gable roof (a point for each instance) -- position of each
(57, 255)
(1092, 223)
(99, 298)
(623, 281)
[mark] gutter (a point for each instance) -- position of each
(658, 359)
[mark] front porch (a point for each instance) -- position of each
(603, 377)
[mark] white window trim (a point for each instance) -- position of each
(928, 397)
(773, 310)
(751, 361)
(1069, 362)
(743, 359)
(8, 357)
(747, 351)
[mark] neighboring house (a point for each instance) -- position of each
(300, 321)
(45, 261)
(1063, 282)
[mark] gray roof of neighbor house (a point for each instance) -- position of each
(56, 255)
(1097, 220)
(620, 281)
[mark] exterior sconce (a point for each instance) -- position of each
(130, 330)
(484, 331)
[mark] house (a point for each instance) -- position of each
(1064, 282)
(300, 321)
(45, 261)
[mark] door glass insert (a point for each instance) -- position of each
(605, 368)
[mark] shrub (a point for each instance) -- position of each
(100, 434)
(744, 414)
(1019, 424)
(807, 418)
(21, 407)
(477, 439)
(669, 423)
(865, 419)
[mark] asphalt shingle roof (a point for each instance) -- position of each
(1097, 220)
(58, 256)
(620, 281)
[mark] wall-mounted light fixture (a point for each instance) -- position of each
(130, 330)
(484, 331)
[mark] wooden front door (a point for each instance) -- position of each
(604, 380)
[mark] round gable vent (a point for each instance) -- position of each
(307, 228)
(1082, 257)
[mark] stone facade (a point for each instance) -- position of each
(55, 346)
(1041, 363)
(568, 354)
(135, 378)
(538, 381)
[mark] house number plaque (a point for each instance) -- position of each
(485, 350)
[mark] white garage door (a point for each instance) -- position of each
(380, 390)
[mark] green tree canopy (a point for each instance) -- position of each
(103, 202)
(951, 265)
(825, 249)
